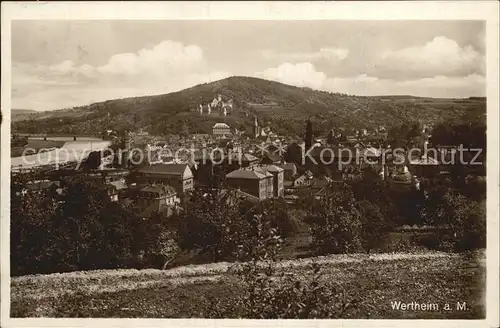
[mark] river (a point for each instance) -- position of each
(71, 151)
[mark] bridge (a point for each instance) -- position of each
(46, 136)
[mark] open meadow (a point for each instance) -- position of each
(369, 285)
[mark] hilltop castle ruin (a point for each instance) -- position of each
(217, 106)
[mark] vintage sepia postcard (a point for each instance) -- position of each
(219, 164)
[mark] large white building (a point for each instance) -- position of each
(221, 129)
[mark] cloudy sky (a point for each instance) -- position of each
(59, 64)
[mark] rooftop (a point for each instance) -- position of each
(272, 156)
(172, 169)
(269, 168)
(424, 160)
(248, 174)
(221, 126)
(119, 184)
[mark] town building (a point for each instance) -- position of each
(179, 176)
(304, 180)
(252, 181)
(157, 198)
(120, 188)
(270, 158)
(424, 166)
(290, 170)
(234, 160)
(221, 129)
(278, 179)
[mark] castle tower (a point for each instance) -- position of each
(219, 98)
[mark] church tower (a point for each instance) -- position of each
(256, 130)
(309, 135)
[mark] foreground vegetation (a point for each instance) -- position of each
(338, 286)
(79, 228)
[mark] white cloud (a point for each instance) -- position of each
(306, 75)
(437, 86)
(440, 56)
(166, 57)
(330, 54)
(65, 66)
(166, 67)
(301, 74)
(439, 68)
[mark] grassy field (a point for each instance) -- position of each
(372, 283)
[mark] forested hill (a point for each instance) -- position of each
(283, 107)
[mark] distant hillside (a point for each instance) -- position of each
(22, 111)
(281, 106)
(20, 114)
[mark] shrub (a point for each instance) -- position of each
(156, 241)
(465, 218)
(219, 224)
(374, 225)
(278, 214)
(269, 293)
(335, 223)
(78, 230)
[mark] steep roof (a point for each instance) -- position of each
(169, 169)
(424, 160)
(234, 157)
(246, 157)
(270, 168)
(119, 184)
(221, 126)
(248, 174)
(272, 156)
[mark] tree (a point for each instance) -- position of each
(18, 141)
(374, 226)
(335, 222)
(276, 211)
(294, 154)
(156, 240)
(93, 160)
(211, 222)
(308, 138)
(331, 138)
(467, 220)
(372, 189)
(81, 229)
(469, 133)
(31, 228)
